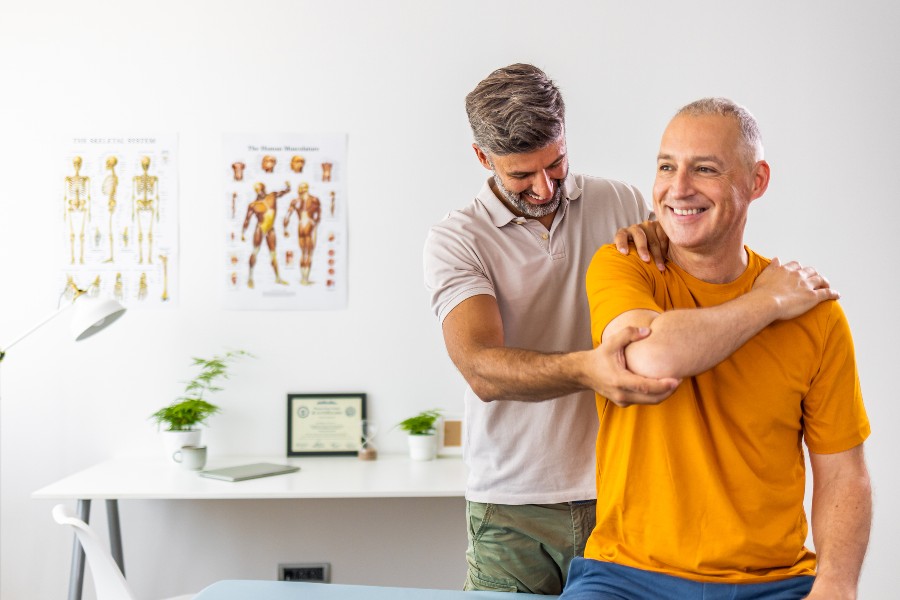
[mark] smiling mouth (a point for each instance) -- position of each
(536, 199)
(683, 212)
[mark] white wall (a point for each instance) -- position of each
(821, 76)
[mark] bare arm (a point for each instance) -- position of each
(649, 240)
(841, 520)
(287, 216)
(686, 342)
(473, 333)
(247, 221)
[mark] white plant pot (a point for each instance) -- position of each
(176, 440)
(422, 447)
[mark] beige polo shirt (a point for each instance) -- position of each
(530, 452)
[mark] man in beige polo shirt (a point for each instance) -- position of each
(506, 278)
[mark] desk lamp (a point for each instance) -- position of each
(90, 316)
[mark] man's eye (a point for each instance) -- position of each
(706, 170)
(665, 167)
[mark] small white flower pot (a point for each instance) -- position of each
(422, 447)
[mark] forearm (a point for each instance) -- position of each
(501, 373)
(841, 520)
(686, 342)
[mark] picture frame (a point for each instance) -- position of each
(328, 424)
(451, 432)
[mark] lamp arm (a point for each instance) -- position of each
(43, 322)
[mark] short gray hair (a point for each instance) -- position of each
(516, 109)
(749, 127)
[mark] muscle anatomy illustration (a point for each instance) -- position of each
(264, 209)
(309, 212)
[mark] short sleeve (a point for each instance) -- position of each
(834, 417)
(453, 271)
(617, 283)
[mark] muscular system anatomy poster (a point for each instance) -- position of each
(285, 221)
(119, 233)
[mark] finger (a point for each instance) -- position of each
(824, 294)
(622, 338)
(634, 389)
(663, 247)
(639, 236)
(621, 240)
(656, 250)
(809, 271)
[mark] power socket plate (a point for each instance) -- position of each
(314, 572)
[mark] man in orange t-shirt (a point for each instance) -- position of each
(702, 495)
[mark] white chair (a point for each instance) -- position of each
(109, 582)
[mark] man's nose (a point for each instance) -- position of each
(542, 186)
(682, 185)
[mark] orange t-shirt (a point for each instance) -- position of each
(709, 484)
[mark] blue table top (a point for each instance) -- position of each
(296, 590)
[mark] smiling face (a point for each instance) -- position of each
(704, 186)
(530, 183)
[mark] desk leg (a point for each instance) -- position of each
(76, 574)
(115, 533)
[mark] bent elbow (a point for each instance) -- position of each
(484, 391)
(651, 360)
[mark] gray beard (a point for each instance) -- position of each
(533, 211)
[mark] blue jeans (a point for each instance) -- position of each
(596, 580)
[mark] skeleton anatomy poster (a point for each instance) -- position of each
(119, 209)
(286, 221)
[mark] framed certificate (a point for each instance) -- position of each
(325, 424)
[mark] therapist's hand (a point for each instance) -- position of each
(649, 240)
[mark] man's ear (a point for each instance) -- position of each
(761, 174)
(483, 158)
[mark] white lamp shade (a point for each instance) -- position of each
(92, 315)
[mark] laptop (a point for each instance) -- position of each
(251, 471)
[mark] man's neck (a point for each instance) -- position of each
(716, 267)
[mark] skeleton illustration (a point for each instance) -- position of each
(142, 287)
(118, 288)
(77, 207)
(110, 184)
(145, 207)
(165, 262)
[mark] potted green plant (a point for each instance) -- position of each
(181, 418)
(422, 432)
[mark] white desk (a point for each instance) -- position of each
(391, 476)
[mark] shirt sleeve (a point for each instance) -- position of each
(617, 283)
(453, 271)
(834, 417)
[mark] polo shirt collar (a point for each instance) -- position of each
(501, 214)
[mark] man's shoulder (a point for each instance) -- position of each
(463, 220)
(616, 202)
(609, 264)
(594, 186)
(609, 254)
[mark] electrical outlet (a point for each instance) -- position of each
(316, 572)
